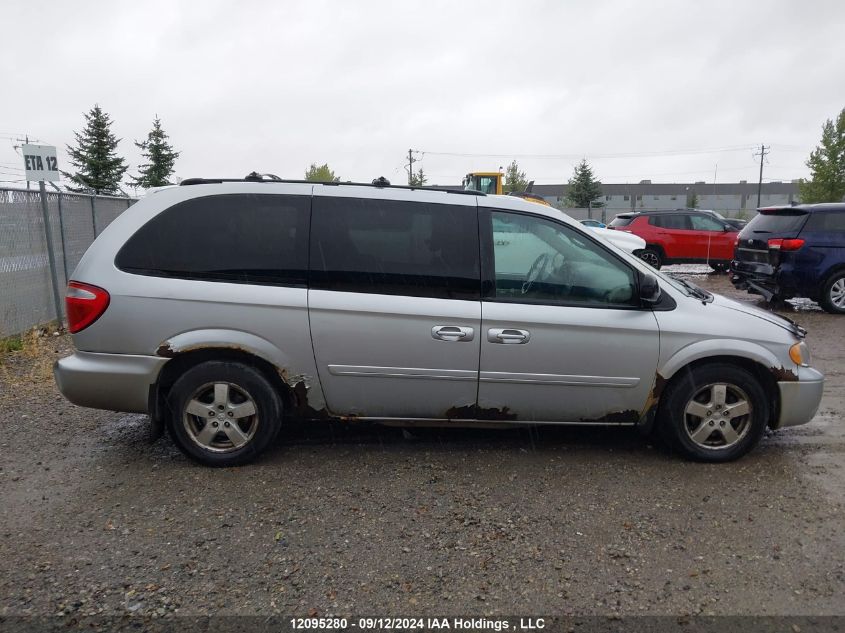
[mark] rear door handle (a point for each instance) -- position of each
(508, 336)
(452, 333)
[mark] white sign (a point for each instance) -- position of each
(40, 162)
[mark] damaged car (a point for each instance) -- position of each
(223, 308)
(794, 251)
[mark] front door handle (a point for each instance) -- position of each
(508, 336)
(452, 333)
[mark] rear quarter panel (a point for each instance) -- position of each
(157, 316)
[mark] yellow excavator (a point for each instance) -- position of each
(491, 183)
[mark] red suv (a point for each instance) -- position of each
(681, 237)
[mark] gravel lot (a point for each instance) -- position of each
(369, 520)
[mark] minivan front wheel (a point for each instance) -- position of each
(714, 413)
(223, 413)
(833, 294)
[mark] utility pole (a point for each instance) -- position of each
(410, 166)
(763, 151)
(27, 186)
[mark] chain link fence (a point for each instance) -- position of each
(27, 295)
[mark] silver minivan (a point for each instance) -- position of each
(224, 307)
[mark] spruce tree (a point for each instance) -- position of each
(515, 179)
(584, 190)
(418, 179)
(98, 167)
(160, 158)
(827, 165)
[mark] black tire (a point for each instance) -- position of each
(720, 267)
(677, 427)
(832, 286)
(652, 257)
(244, 385)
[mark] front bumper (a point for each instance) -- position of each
(800, 399)
(117, 382)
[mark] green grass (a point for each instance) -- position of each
(11, 344)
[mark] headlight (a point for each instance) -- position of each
(800, 354)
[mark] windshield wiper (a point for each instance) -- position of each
(694, 290)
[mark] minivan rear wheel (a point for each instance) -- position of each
(714, 413)
(223, 413)
(833, 293)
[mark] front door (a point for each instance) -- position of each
(563, 336)
(712, 242)
(394, 302)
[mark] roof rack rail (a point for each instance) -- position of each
(379, 183)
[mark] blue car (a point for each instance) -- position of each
(594, 224)
(795, 251)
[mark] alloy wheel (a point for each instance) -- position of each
(650, 258)
(718, 416)
(837, 293)
(220, 417)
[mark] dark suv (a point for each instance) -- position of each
(797, 251)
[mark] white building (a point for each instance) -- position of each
(730, 199)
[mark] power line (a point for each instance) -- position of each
(736, 148)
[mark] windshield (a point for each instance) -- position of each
(786, 221)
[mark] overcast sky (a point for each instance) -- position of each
(273, 86)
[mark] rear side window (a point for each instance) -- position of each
(828, 222)
(782, 222)
(670, 221)
(622, 220)
(241, 238)
(394, 247)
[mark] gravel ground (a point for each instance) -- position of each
(370, 520)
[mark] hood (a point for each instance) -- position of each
(625, 241)
(775, 319)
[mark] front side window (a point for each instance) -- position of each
(705, 223)
(536, 260)
(239, 238)
(487, 184)
(394, 247)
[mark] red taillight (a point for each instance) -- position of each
(85, 304)
(786, 244)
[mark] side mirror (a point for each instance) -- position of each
(649, 289)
